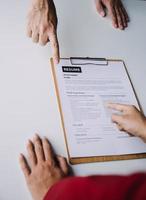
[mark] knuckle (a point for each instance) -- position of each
(39, 148)
(43, 28)
(49, 165)
(38, 145)
(42, 167)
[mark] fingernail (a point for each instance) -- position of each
(20, 155)
(56, 61)
(102, 14)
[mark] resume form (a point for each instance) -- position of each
(84, 89)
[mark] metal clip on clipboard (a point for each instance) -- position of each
(88, 61)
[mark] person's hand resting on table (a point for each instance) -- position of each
(43, 168)
(116, 11)
(130, 120)
(42, 25)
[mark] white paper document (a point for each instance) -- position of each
(84, 91)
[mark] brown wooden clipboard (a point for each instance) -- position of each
(79, 160)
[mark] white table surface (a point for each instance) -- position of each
(27, 97)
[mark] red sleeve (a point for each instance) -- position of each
(100, 187)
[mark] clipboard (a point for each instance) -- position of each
(91, 159)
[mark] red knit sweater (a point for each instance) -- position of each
(131, 187)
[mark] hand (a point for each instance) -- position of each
(42, 25)
(131, 120)
(43, 169)
(116, 11)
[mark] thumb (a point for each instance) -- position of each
(100, 8)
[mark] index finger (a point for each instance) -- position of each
(55, 46)
(117, 106)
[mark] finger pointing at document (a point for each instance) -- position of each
(42, 25)
(130, 120)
